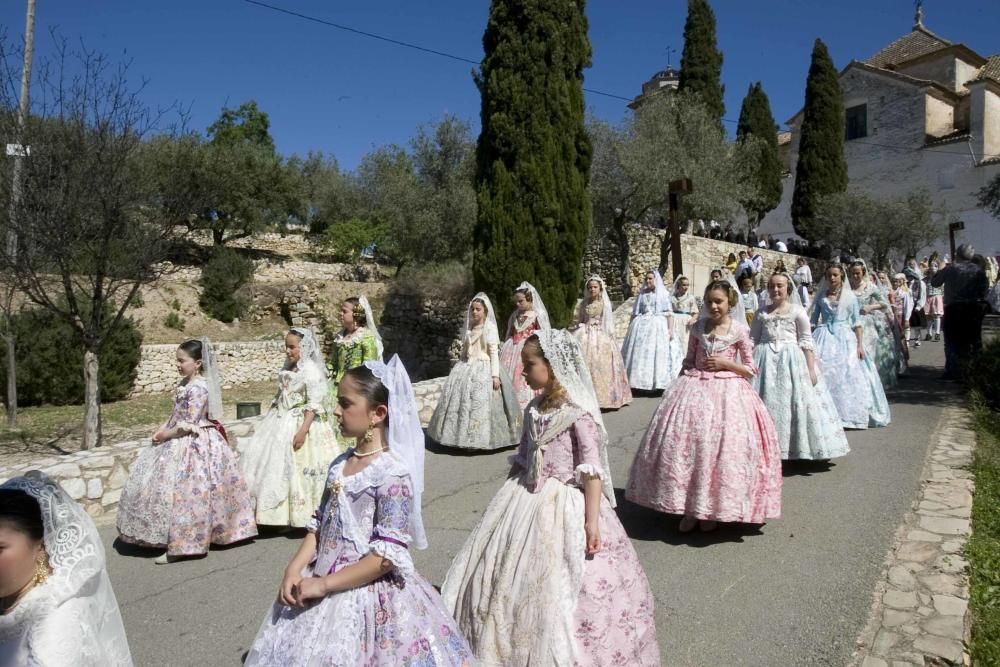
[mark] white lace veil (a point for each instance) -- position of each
(490, 330)
(79, 575)
(370, 324)
(564, 355)
(309, 349)
(608, 313)
(848, 299)
(541, 315)
(662, 297)
(406, 437)
(738, 313)
(210, 371)
(793, 294)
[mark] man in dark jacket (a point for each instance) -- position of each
(965, 288)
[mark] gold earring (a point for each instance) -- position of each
(370, 433)
(42, 569)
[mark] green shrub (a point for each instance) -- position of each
(174, 321)
(176, 305)
(224, 284)
(137, 301)
(983, 374)
(347, 240)
(50, 361)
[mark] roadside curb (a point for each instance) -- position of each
(919, 613)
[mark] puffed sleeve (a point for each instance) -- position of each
(493, 349)
(316, 389)
(391, 537)
(745, 348)
(369, 348)
(802, 330)
(317, 518)
(854, 317)
(586, 437)
(194, 407)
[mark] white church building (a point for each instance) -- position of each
(922, 112)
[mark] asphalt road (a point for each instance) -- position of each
(796, 592)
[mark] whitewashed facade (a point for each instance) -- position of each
(922, 112)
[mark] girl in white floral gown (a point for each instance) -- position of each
(595, 329)
(528, 317)
(186, 491)
(685, 312)
(789, 380)
(650, 351)
(549, 576)
(286, 459)
(351, 595)
(478, 408)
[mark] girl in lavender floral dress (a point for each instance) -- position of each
(711, 452)
(549, 576)
(351, 596)
(186, 491)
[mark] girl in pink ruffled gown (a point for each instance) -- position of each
(528, 317)
(711, 452)
(549, 576)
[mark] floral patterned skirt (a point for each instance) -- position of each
(510, 358)
(804, 414)
(854, 384)
(881, 344)
(471, 415)
(287, 484)
(391, 622)
(607, 369)
(651, 355)
(525, 594)
(186, 494)
(711, 452)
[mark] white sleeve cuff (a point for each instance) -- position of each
(587, 470)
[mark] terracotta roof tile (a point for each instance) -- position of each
(918, 43)
(991, 70)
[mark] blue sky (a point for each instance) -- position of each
(345, 94)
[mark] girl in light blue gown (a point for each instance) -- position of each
(651, 353)
(789, 380)
(849, 371)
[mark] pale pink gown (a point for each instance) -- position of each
(522, 588)
(711, 450)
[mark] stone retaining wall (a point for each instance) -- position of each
(95, 478)
(239, 363)
(699, 255)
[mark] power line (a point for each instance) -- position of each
(397, 42)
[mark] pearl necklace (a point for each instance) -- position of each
(366, 454)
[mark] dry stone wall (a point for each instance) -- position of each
(239, 363)
(699, 255)
(95, 478)
(424, 331)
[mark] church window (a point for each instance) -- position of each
(857, 122)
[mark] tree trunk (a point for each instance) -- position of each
(92, 401)
(11, 377)
(218, 236)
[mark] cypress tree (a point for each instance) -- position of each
(533, 155)
(757, 121)
(701, 61)
(821, 168)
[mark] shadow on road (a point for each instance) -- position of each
(649, 526)
(805, 468)
(923, 385)
(437, 448)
